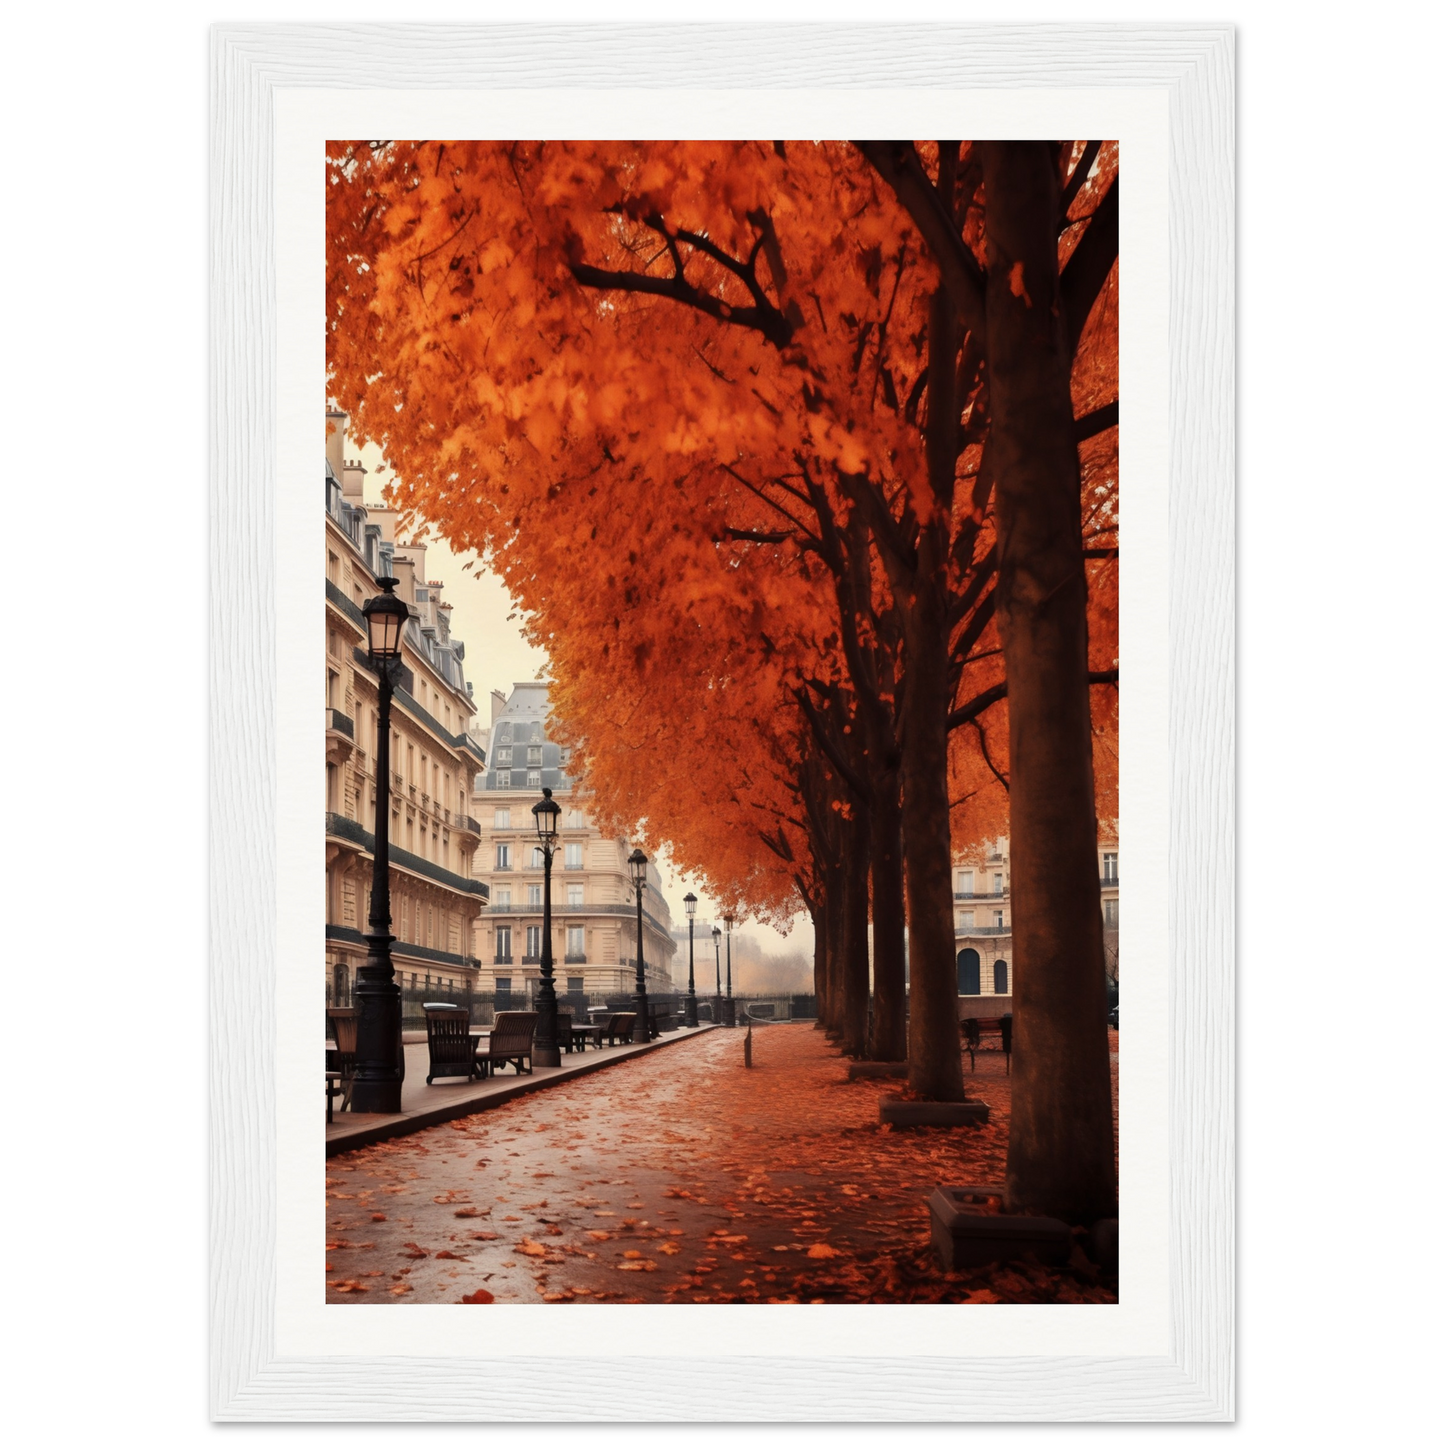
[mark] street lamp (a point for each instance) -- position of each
(689, 1016)
(717, 966)
(376, 1088)
(545, 1051)
(637, 867)
(730, 1015)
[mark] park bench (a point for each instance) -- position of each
(451, 1049)
(342, 1059)
(510, 1042)
(973, 1031)
(565, 1037)
(619, 1030)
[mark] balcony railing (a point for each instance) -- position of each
(972, 931)
(997, 893)
(1109, 882)
(469, 824)
(575, 958)
(338, 721)
(339, 826)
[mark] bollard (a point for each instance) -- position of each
(748, 1046)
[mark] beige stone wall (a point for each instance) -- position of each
(433, 907)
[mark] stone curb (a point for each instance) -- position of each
(394, 1126)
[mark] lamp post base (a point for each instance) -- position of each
(689, 1011)
(546, 1058)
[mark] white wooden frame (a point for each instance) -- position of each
(250, 65)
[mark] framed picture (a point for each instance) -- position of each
(867, 507)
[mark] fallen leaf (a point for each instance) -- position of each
(471, 1212)
(447, 1254)
(530, 1246)
(822, 1251)
(378, 1218)
(481, 1297)
(486, 1234)
(413, 1251)
(402, 1288)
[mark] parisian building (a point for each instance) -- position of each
(594, 913)
(435, 899)
(983, 918)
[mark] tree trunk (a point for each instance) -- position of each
(854, 991)
(819, 916)
(1061, 1144)
(833, 905)
(889, 1038)
(934, 1057)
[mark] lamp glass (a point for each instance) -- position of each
(637, 866)
(690, 903)
(546, 814)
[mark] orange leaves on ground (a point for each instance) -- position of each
(598, 1234)
(447, 1254)
(471, 1212)
(349, 1286)
(822, 1251)
(479, 1297)
(413, 1251)
(530, 1246)
(484, 1234)
(378, 1218)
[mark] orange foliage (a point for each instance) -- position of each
(636, 377)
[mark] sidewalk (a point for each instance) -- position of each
(426, 1104)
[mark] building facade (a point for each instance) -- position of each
(435, 900)
(594, 914)
(983, 918)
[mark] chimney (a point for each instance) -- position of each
(499, 703)
(335, 439)
(351, 476)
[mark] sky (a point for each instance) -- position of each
(498, 655)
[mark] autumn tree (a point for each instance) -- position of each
(847, 352)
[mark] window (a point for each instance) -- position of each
(566, 756)
(576, 986)
(1111, 912)
(504, 856)
(504, 780)
(998, 918)
(534, 941)
(965, 922)
(965, 883)
(1111, 867)
(576, 942)
(534, 895)
(504, 992)
(536, 858)
(504, 898)
(968, 972)
(998, 882)
(504, 757)
(534, 778)
(502, 818)
(573, 855)
(1000, 975)
(534, 757)
(574, 895)
(575, 818)
(504, 942)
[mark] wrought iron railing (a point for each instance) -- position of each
(340, 722)
(339, 826)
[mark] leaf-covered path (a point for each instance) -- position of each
(679, 1175)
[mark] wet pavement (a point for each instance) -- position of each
(677, 1175)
